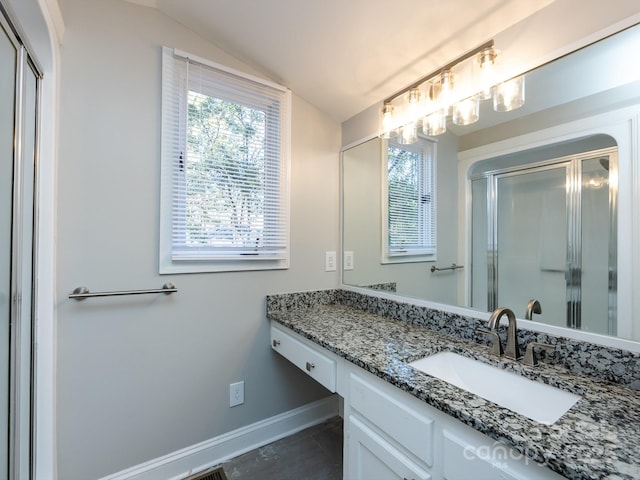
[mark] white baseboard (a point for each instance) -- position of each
(214, 451)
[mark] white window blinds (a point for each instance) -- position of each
(225, 163)
(410, 233)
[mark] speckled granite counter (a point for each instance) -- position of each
(599, 437)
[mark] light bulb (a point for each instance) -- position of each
(413, 108)
(446, 89)
(486, 61)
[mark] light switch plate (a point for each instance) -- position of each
(330, 261)
(347, 260)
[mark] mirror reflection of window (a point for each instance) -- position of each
(409, 229)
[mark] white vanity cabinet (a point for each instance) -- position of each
(372, 456)
(417, 441)
(391, 435)
(385, 437)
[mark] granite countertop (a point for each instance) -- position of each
(599, 437)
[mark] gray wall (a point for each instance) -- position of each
(140, 377)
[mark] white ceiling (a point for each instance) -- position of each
(345, 55)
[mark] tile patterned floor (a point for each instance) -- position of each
(312, 454)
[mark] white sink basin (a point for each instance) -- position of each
(537, 401)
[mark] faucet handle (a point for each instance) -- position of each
(496, 346)
(530, 357)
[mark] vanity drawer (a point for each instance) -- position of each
(391, 412)
(308, 359)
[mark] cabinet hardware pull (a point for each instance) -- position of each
(310, 366)
(275, 343)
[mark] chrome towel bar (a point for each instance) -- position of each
(83, 292)
(440, 269)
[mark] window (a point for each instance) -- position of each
(409, 221)
(225, 169)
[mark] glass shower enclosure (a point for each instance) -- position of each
(546, 231)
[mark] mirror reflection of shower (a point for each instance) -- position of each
(544, 226)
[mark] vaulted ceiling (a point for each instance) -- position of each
(344, 55)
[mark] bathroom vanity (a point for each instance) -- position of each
(403, 423)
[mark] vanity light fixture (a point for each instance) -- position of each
(457, 88)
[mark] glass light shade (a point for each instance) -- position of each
(433, 91)
(509, 95)
(387, 120)
(413, 97)
(441, 90)
(413, 104)
(408, 133)
(435, 123)
(466, 111)
(486, 72)
(446, 83)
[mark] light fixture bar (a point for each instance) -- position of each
(437, 72)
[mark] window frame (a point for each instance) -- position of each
(173, 258)
(427, 148)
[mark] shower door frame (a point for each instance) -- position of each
(24, 238)
(573, 272)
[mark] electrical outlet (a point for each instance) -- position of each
(330, 261)
(347, 261)
(236, 394)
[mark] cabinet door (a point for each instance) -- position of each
(392, 412)
(465, 458)
(371, 457)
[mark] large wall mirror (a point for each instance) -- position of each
(531, 209)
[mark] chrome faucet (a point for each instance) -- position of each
(532, 307)
(512, 351)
